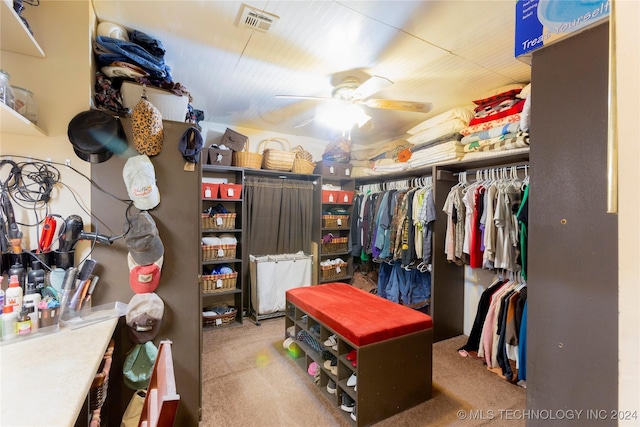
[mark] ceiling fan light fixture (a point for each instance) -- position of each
(342, 116)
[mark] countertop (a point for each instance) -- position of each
(44, 381)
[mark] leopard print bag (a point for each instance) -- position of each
(147, 129)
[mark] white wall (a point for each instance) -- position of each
(61, 84)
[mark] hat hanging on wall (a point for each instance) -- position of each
(143, 240)
(138, 365)
(144, 278)
(139, 177)
(144, 317)
(96, 136)
(147, 128)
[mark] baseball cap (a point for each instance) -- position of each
(144, 278)
(144, 317)
(143, 239)
(138, 365)
(140, 179)
(191, 144)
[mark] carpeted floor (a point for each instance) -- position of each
(249, 380)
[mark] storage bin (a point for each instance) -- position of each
(234, 140)
(212, 321)
(170, 105)
(209, 190)
(329, 168)
(335, 245)
(330, 196)
(219, 157)
(345, 196)
(333, 272)
(226, 221)
(231, 191)
(216, 252)
(335, 221)
(212, 283)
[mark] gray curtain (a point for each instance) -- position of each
(279, 215)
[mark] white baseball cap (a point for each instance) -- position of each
(140, 179)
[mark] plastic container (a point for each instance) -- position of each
(6, 92)
(13, 294)
(25, 104)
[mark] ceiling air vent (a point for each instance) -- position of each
(255, 19)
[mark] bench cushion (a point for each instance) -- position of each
(359, 317)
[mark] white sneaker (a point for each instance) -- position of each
(352, 380)
(331, 342)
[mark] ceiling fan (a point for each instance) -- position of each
(351, 92)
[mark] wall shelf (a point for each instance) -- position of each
(14, 36)
(13, 122)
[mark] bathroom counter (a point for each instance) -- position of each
(45, 381)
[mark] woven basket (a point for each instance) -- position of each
(303, 166)
(212, 283)
(301, 153)
(219, 221)
(247, 159)
(100, 383)
(277, 160)
(335, 221)
(336, 245)
(214, 252)
(219, 319)
(332, 272)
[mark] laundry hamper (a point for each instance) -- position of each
(272, 276)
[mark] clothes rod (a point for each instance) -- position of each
(518, 167)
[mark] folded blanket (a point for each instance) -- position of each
(389, 150)
(492, 124)
(491, 133)
(521, 140)
(453, 136)
(438, 131)
(464, 113)
(503, 109)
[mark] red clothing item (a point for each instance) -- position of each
(475, 253)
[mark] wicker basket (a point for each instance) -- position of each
(212, 283)
(335, 221)
(301, 153)
(333, 272)
(303, 166)
(278, 160)
(247, 159)
(100, 383)
(214, 252)
(218, 319)
(336, 245)
(225, 221)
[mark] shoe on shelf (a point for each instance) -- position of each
(331, 386)
(351, 382)
(291, 331)
(331, 342)
(348, 404)
(351, 355)
(353, 414)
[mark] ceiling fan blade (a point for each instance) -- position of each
(373, 84)
(304, 122)
(317, 98)
(387, 104)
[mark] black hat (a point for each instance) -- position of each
(96, 135)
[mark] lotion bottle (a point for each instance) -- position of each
(31, 301)
(13, 295)
(9, 323)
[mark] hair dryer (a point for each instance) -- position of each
(72, 231)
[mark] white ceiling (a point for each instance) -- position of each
(443, 52)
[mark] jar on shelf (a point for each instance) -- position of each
(6, 92)
(25, 103)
